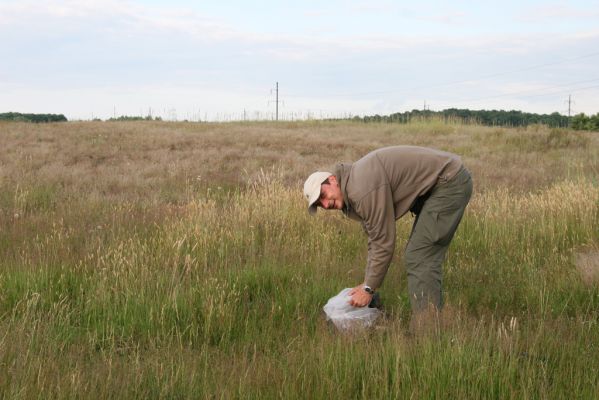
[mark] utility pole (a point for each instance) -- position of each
(570, 102)
(276, 102)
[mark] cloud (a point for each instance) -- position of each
(557, 12)
(131, 21)
(24, 12)
(372, 6)
(126, 15)
(451, 18)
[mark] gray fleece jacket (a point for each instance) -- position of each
(381, 187)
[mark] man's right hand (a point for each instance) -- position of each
(359, 297)
(354, 290)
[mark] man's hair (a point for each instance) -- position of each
(327, 182)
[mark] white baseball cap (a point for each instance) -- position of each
(312, 189)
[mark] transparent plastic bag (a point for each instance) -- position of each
(347, 317)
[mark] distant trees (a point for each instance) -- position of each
(13, 116)
(582, 122)
(484, 117)
(135, 118)
(38, 118)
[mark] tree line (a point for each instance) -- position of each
(511, 118)
(135, 118)
(583, 122)
(37, 118)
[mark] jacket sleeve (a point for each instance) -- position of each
(376, 209)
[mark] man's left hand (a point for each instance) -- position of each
(359, 297)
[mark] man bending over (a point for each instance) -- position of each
(379, 189)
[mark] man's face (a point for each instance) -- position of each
(331, 197)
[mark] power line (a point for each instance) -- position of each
(564, 91)
(535, 95)
(483, 77)
(539, 95)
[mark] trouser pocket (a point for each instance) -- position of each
(445, 226)
(445, 209)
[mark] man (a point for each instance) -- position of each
(379, 189)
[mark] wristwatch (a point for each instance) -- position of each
(368, 289)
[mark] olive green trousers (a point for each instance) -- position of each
(432, 232)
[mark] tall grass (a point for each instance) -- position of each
(216, 292)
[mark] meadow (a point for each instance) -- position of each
(177, 260)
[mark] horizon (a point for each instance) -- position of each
(229, 118)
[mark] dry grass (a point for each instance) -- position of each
(155, 160)
(587, 263)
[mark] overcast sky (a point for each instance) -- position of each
(214, 59)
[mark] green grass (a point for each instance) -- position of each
(218, 294)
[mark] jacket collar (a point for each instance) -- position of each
(342, 172)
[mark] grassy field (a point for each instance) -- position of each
(177, 260)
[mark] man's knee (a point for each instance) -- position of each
(425, 258)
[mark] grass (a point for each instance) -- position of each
(177, 260)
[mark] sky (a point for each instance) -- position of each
(221, 60)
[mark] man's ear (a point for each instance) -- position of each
(333, 180)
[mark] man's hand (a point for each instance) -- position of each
(359, 297)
